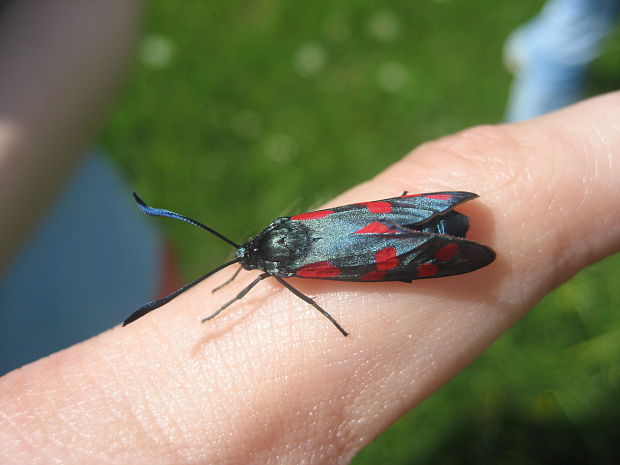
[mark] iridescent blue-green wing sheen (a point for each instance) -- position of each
(398, 239)
(406, 210)
(394, 254)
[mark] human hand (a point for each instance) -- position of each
(271, 381)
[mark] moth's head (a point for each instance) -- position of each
(246, 254)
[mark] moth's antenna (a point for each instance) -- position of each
(149, 307)
(177, 216)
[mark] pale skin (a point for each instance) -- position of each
(272, 381)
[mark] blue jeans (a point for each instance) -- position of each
(94, 259)
(550, 54)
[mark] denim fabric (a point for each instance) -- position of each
(550, 54)
(92, 261)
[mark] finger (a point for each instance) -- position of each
(271, 380)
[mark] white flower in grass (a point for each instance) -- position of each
(384, 26)
(310, 59)
(247, 124)
(280, 148)
(156, 51)
(392, 76)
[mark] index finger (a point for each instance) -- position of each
(271, 380)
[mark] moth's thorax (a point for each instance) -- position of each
(275, 248)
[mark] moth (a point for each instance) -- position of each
(413, 236)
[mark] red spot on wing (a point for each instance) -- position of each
(318, 270)
(447, 252)
(373, 276)
(439, 196)
(426, 270)
(377, 207)
(430, 196)
(377, 227)
(312, 215)
(386, 259)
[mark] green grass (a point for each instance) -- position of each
(237, 113)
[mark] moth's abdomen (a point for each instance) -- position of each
(451, 224)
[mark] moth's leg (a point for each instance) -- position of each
(228, 281)
(238, 297)
(309, 300)
(404, 193)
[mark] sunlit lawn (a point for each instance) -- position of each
(240, 112)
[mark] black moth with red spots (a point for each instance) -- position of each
(415, 236)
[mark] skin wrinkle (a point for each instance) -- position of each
(467, 157)
(601, 167)
(320, 422)
(137, 426)
(341, 411)
(470, 142)
(395, 405)
(182, 380)
(138, 409)
(29, 442)
(111, 404)
(365, 367)
(257, 395)
(266, 439)
(35, 412)
(267, 400)
(186, 437)
(168, 437)
(148, 414)
(526, 146)
(545, 224)
(21, 399)
(81, 408)
(60, 414)
(564, 144)
(612, 164)
(262, 395)
(225, 421)
(533, 165)
(91, 380)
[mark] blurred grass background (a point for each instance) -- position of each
(238, 112)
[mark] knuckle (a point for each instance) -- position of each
(490, 151)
